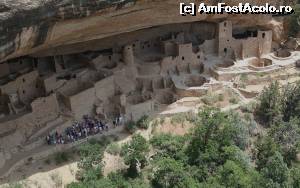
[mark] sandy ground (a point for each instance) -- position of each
(55, 178)
(173, 128)
(112, 163)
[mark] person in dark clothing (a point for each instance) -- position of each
(48, 139)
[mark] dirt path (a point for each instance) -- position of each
(21, 158)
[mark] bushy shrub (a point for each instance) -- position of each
(233, 100)
(295, 177)
(278, 103)
(131, 127)
(15, 185)
(105, 140)
(113, 149)
(170, 173)
(61, 157)
(162, 120)
(210, 99)
(179, 118)
(167, 145)
(47, 161)
(221, 97)
(269, 107)
(134, 153)
(90, 155)
(143, 122)
(191, 117)
(248, 108)
(244, 78)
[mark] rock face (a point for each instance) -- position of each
(292, 43)
(2, 159)
(43, 27)
(298, 63)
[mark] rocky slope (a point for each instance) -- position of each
(44, 27)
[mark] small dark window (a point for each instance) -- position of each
(198, 56)
(120, 59)
(24, 80)
(24, 91)
(148, 45)
(109, 57)
(143, 47)
(263, 35)
(133, 45)
(227, 40)
(225, 50)
(35, 62)
(182, 57)
(225, 24)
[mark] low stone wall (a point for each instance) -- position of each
(197, 92)
(135, 112)
(247, 94)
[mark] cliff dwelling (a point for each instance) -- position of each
(130, 74)
(137, 76)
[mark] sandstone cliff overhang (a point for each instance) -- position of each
(48, 27)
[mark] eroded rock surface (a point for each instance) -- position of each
(40, 26)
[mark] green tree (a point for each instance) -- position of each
(215, 130)
(291, 101)
(276, 171)
(235, 154)
(266, 147)
(92, 174)
(287, 137)
(104, 182)
(217, 137)
(138, 183)
(236, 131)
(269, 107)
(167, 145)
(90, 164)
(233, 175)
(91, 154)
(119, 179)
(135, 153)
(169, 173)
(295, 177)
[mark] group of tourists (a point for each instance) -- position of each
(79, 130)
(55, 138)
(119, 120)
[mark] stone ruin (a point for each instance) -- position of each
(103, 82)
(138, 77)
